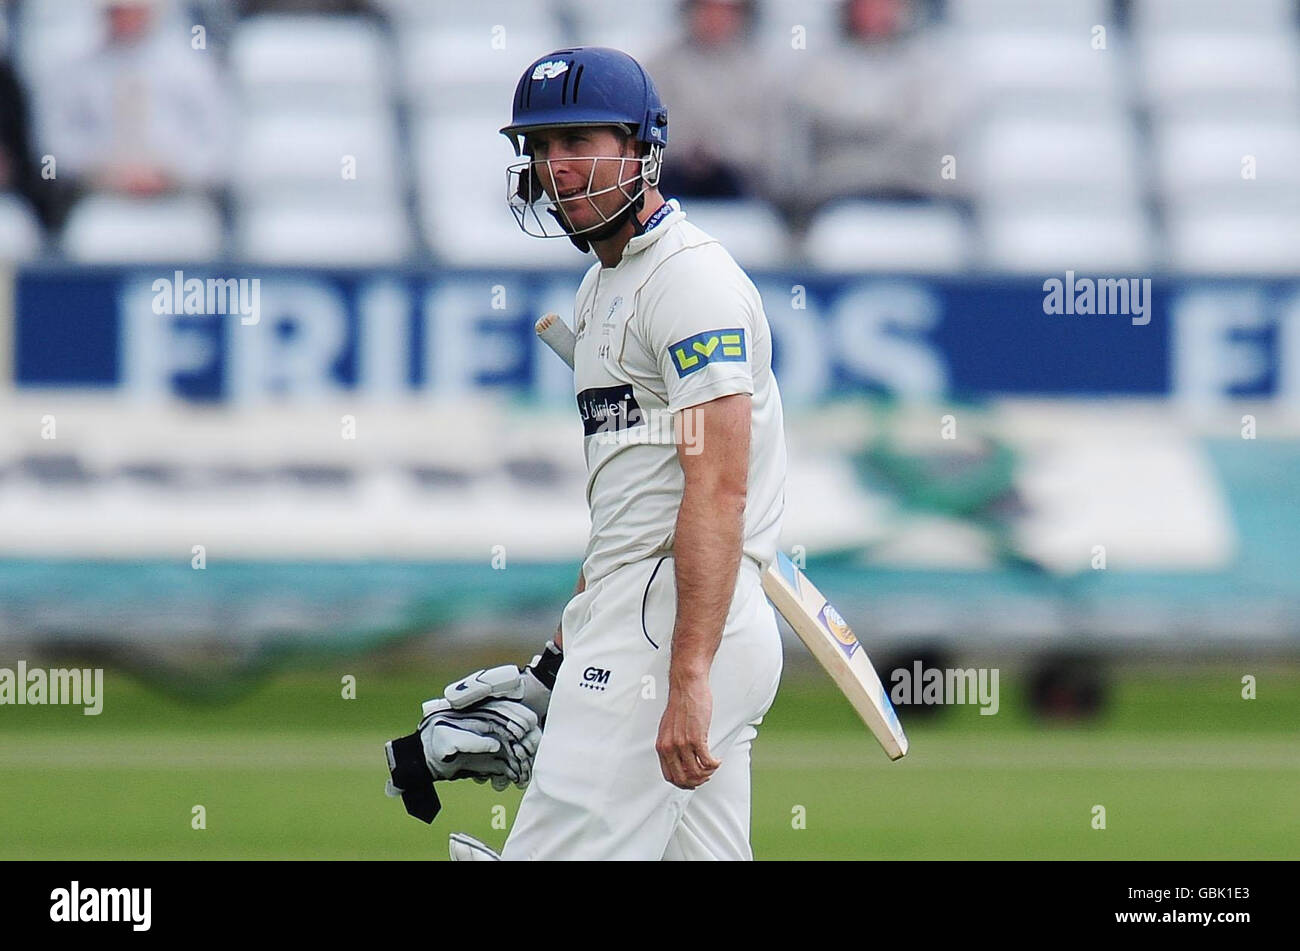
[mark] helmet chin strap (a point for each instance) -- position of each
(583, 241)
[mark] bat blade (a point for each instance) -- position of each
(825, 633)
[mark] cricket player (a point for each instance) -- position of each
(643, 709)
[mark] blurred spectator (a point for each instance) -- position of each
(146, 114)
(18, 169)
(875, 114)
(718, 95)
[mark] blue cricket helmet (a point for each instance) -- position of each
(588, 85)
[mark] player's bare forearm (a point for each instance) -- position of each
(707, 551)
(710, 530)
(706, 559)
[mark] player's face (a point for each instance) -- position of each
(591, 172)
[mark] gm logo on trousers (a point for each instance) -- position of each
(595, 678)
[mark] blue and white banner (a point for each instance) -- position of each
(246, 334)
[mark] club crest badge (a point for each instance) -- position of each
(550, 69)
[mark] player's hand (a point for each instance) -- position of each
(683, 741)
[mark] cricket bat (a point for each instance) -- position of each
(826, 634)
(813, 618)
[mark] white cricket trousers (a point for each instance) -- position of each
(597, 791)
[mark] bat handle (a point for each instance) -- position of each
(555, 333)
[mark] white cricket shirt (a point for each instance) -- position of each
(676, 323)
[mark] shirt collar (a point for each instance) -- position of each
(656, 226)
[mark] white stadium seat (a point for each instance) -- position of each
(20, 232)
(1024, 157)
(340, 62)
(850, 235)
(104, 229)
(1212, 16)
(1029, 14)
(1037, 240)
(1233, 242)
(304, 232)
(751, 231)
(1189, 74)
(1052, 70)
(1201, 161)
(404, 14)
(291, 150)
(525, 15)
(460, 69)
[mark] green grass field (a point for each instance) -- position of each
(1184, 767)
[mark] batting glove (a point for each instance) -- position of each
(495, 741)
(531, 686)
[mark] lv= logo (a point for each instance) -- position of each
(702, 349)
